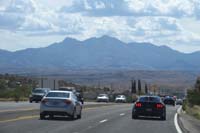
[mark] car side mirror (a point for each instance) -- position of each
(81, 100)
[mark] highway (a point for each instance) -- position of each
(13, 106)
(104, 119)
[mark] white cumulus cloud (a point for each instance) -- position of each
(168, 22)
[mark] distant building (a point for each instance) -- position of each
(48, 83)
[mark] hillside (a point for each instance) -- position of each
(97, 53)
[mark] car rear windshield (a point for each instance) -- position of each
(169, 99)
(58, 94)
(38, 91)
(120, 96)
(102, 95)
(149, 99)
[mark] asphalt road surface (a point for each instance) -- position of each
(21, 106)
(13, 106)
(105, 119)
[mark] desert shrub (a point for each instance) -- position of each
(193, 97)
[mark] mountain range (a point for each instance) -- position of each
(98, 53)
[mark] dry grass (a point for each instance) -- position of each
(12, 99)
(194, 111)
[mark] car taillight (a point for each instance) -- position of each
(68, 101)
(138, 104)
(44, 101)
(159, 105)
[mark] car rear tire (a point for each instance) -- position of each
(51, 116)
(80, 115)
(134, 116)
(30, 101)
(163, 117)
(42, 116)
(74, 115)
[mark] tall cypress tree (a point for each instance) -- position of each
(146, 89)
(197, 84)
(133, 87)
(139, 87)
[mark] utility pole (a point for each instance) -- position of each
(111, 86)
(99, 84)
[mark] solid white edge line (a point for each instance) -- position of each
(103, 121)
(179, 110)
(176, 122)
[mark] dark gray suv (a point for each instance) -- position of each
(37, 94)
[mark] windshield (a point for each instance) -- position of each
(58, 94)
(149, 99)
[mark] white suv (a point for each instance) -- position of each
(102, 98)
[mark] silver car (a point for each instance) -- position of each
(179, 102)
(64, 103)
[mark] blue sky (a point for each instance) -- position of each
(38, 23)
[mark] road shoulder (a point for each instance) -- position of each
(187, 123)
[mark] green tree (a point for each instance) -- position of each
(17, 94)
(139, 87)
(133, 87)
(146, 89)
(3, 85)
(193, 97)
(197, 84)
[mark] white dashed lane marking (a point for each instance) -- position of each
(102, 121)
(122, 114)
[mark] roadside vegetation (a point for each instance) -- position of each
(18, 88)
(15, 88)
(192, 103)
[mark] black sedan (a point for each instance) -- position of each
(169, 101)
(149, 106)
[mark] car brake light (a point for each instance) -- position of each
(44, 101)
(159, 105)
(138, 104)
(68, 101)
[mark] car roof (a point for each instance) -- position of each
(72, 89)
(103, 94)
(42, 89)
(57, 91)
(120, 95)
(169, 98)
(149, 96)
(67, 88)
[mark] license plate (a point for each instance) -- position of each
(149, 110)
